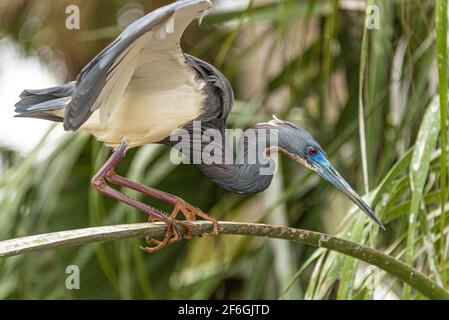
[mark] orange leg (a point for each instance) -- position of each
(172, 233)
(189, 211)
(107, 173)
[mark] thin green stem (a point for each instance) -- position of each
(395, 267)
(362, 130)
(441, 31)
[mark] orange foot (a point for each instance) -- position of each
(189, 212)
(172, 234)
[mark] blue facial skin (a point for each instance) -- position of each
(317, 158)
(305, 149)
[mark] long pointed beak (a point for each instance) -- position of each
(330, 174)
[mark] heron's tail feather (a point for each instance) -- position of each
(45, 104)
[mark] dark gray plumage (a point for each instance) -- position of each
(42, 102)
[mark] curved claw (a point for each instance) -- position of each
(214, 231)
(188, 216)
(171, 229)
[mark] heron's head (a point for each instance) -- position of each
(299, 145)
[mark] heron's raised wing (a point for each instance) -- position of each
(101, 84)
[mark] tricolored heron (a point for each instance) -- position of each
(143, 87)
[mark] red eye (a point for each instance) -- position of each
(312, 151)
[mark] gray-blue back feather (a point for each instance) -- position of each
(219, 93)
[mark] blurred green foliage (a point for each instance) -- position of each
(298, 59)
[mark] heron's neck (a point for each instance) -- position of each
(250, 170)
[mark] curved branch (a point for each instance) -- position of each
(404, 272)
